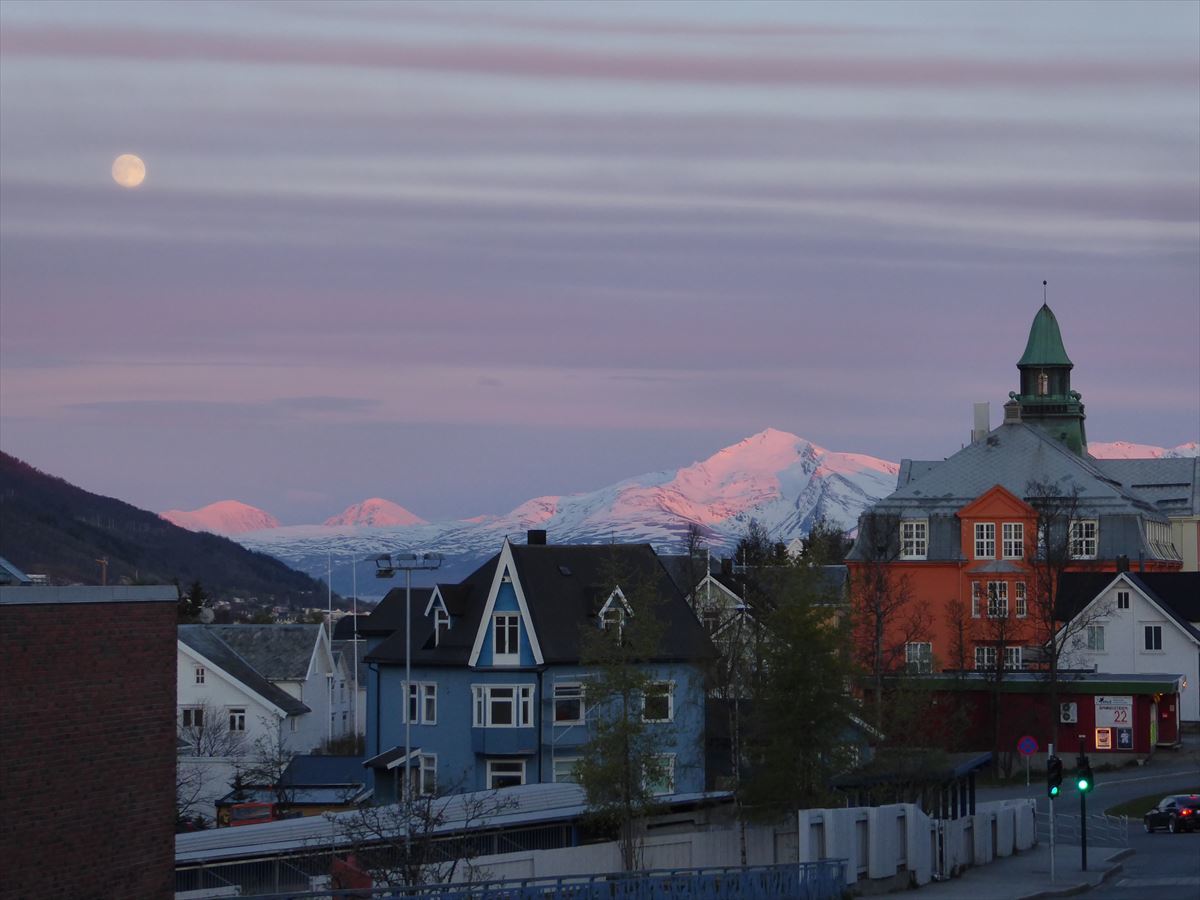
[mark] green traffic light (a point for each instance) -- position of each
(1083, 784)
(1054, 791)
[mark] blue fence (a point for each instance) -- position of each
(821, 880)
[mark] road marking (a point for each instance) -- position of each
(1160, 882)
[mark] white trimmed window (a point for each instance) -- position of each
(1084, 538)
(658, 704)
(1012, 658)
(199, 674)
(985, 540)
(918, 656)
(1122, 599)
(997, 593)
(422, 703)
(661, 781)
(425, 775)
(568, 703)
(1153, 638)
(506, 639)
(985, 657)
(1014, 540)
(237, 719)
(502, 773)
(441, 619)
(976, 599)
(914, 538)
(564, 769)
(503, 705)
(1022, 600)
(192, 717)
(1095, 638)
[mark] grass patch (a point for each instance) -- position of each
(1135, 809)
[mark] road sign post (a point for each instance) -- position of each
(1027, 746)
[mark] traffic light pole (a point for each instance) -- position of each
(1083, 815)
(1049, 757)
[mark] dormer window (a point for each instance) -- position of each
(506, 634)
(914, 538)
(612, 615)
(441, 619)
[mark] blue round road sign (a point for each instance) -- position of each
(1027, 746)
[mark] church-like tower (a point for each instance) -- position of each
(1046, 398)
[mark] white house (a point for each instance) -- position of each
(239, 683)
(1138, 623)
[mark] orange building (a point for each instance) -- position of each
(961, 543)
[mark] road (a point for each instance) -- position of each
(1163, 864)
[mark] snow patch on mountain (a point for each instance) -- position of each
(1127, 450)
(227, 517)
(375, 513)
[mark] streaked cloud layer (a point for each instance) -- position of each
(458, 255)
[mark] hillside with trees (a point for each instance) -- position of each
(49, 526)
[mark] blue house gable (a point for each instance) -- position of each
(497, 693)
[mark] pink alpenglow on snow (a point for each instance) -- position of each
(376, 513)
(222, 517)
(1127, 450)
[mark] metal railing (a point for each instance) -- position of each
(1102, 830)
(822, 880)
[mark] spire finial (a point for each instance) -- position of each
(1044, 292)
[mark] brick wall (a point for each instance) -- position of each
(87, 749)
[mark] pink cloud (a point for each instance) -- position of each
(542, 62)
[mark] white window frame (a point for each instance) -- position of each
(1013, 540)
(508, 623)
(568, 692)
(293, 724)
(427, 775)
(997, 594)
(1022, 599)
(1012, 659)
(237, 719)
(914, 538)
(522, 705)
(199, 674)
(985, 540)
(1122, 599)
(571, 762)
(918, 657)
(654, 688)
(421, 697)
(188, 717)
(494, 764)
(976, 597)
(1095, 638)
(669, 768)
(985, 658)
(1152, 633)
(441, 619)
(1084, 538)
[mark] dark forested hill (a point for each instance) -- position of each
(48, 526)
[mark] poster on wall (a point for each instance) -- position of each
(1114, 712)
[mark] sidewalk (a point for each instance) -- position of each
(1026, 875)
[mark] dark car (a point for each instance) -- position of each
(1176, 813)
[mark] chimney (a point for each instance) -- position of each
(1122, 563)
(536, 537)
(1012, 410)
(983, 421)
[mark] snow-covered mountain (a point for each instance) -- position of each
(1126, 450)
(227, 517)
(375, 513)
(783, 481)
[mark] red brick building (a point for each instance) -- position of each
(87, 744)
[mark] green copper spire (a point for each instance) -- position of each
(1045, 345)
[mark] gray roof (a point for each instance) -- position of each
(1172, 485)
(346, 648)
(1012, 456)
(10, 574)
(207, 640)
(277, 652)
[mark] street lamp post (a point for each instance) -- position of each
(386, 566)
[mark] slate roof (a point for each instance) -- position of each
(678, 568)
(343, 628)
(277, 652)
(1172, 485)
(348, 647)
(1178, 593)
(389, 614)
(561, 583)
(208, 641)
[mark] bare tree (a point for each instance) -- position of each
(189, 786)
(204, 730)
(268, 762)
(996, 634)
(885, 620)
(439, 835)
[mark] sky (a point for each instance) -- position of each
(460, 255)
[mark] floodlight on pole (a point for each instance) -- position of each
(387, 565)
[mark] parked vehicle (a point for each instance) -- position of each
(253, 814)
(1176, 813)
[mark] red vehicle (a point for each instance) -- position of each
(255, 813)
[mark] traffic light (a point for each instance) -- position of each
(1083, 777)
(1054, 776)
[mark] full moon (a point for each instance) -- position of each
(128, 170)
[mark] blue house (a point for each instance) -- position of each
(498, 696)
